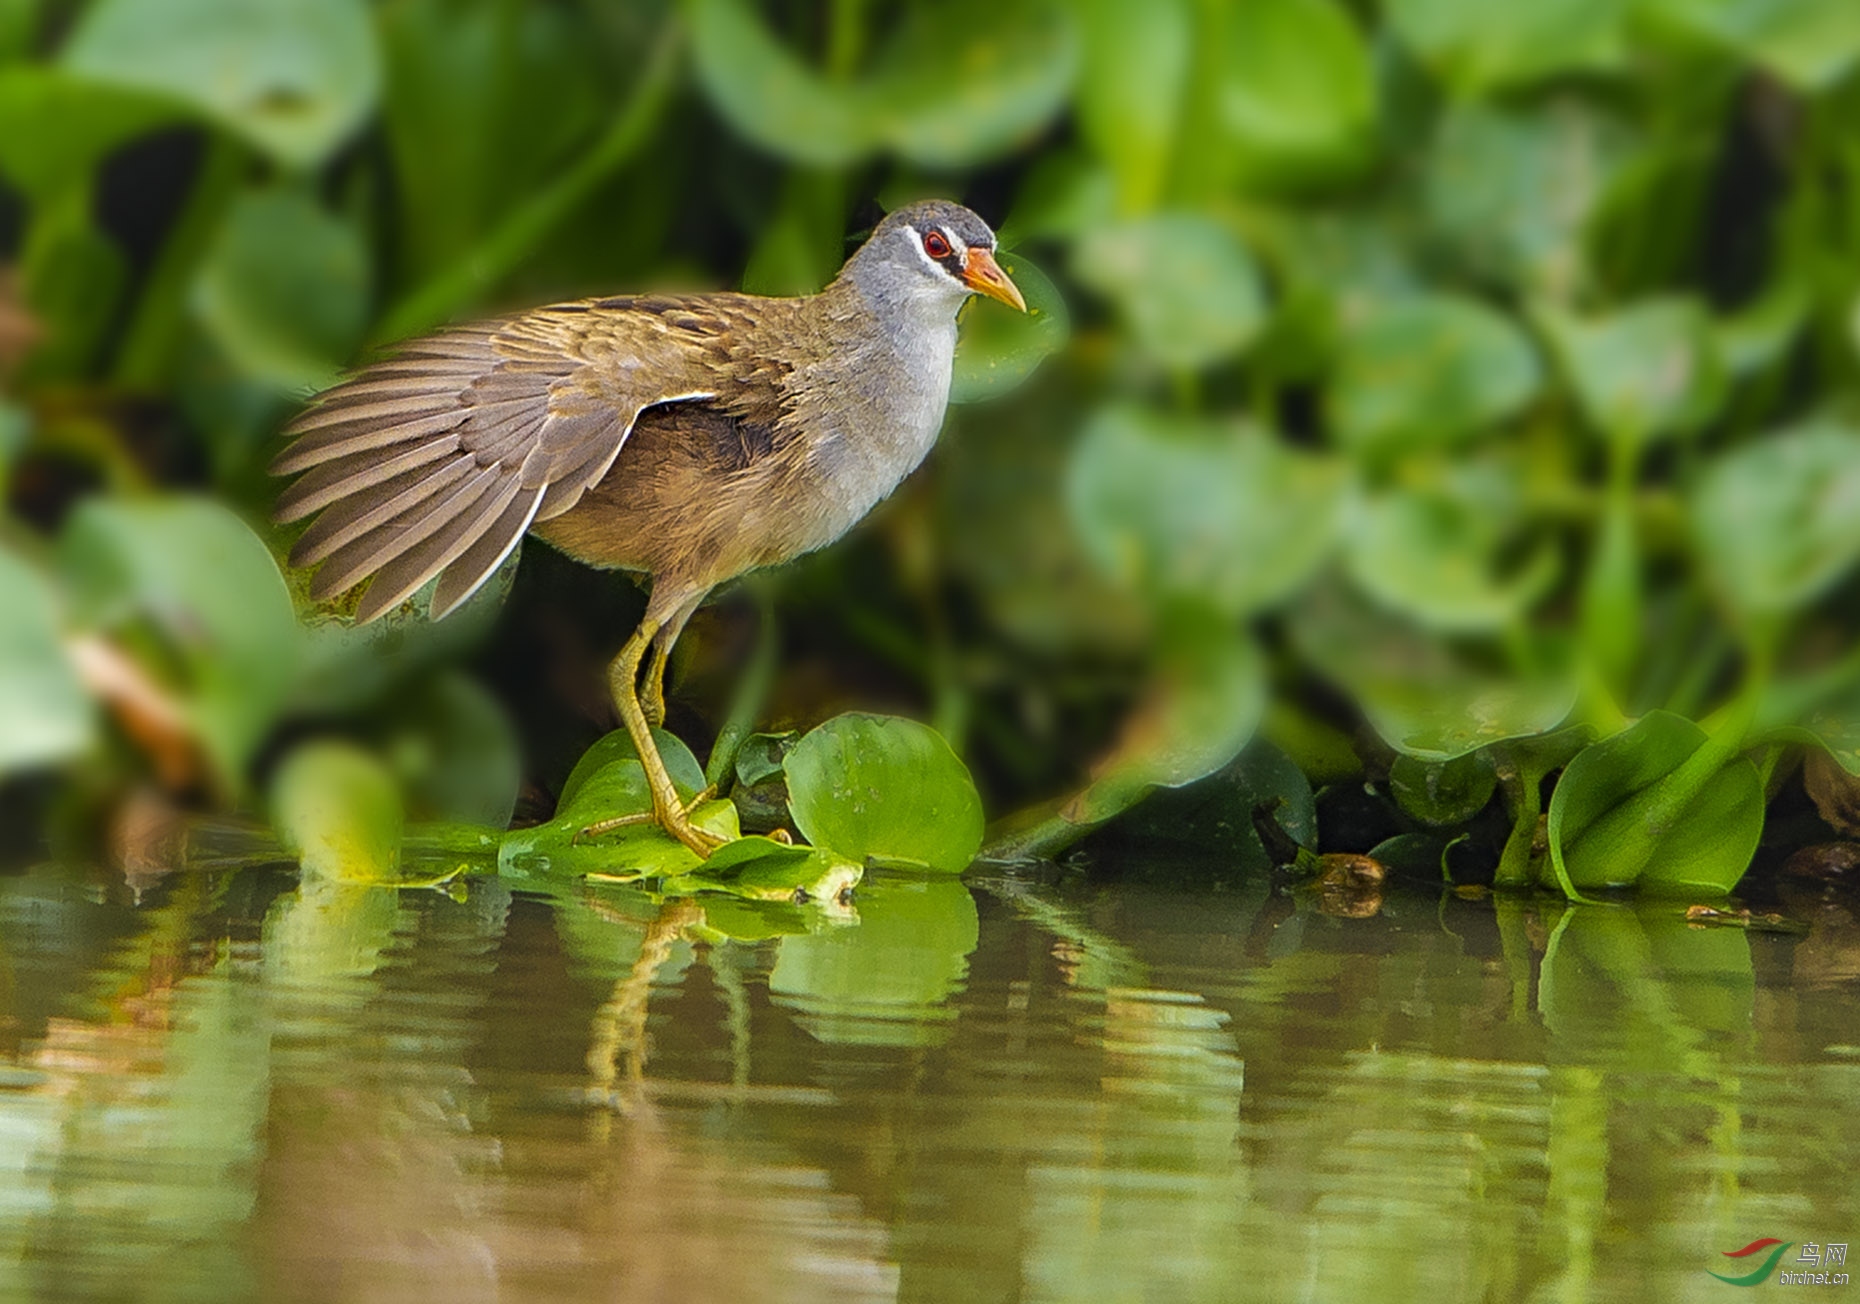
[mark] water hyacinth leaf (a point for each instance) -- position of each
(1510, 191)
(760, 869)
(284, 289)
(45, 714)
(998, 348)
(1649, 370)
(1443, 793)
(1299, 92)
(641, 850)
(1609, 799)
(768, 94)
(455, 750)
(617, 745)
(1222, 515)
(191, 576)
(1129, 94)
(958, 84)
(1214, 816)
(879, 787)
(338, 809)
(1435, 557)
(56, 127)
(1811, 44)
(1427, 371)
(1202, 707)
(294, 77)
(1777, 522)
(1476, 47)
(886, 982)
(1186, 286)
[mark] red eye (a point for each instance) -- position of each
(935, 245)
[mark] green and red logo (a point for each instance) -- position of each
(1749, 1251)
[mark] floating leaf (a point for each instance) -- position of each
(338, 810)
(1222, 515)
(193, 575)
(284, 289)
(998, 347)
(45, 715)
(640, 850)
(885, 982)
(1777, 522)
(1427, 371)
(1443, 793)
(1185, 285)
(295, 77)
(1613, 823)
(870, 786)
(760, 869)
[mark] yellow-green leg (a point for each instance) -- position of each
(652, 701)
(667, 809)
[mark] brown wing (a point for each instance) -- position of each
(437, 461)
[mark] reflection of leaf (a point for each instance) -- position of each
(284, 289)
(884, 981)
(1186, 286)
(44, 712)
(1777, 522)
(198, 575)
(998, 347)
(1222, 515)
(870, 786)
(338, 810)
(295, 77)
(1614, 819)
(1428, 371)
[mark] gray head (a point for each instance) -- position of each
(932, 253)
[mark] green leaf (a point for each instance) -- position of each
(1811, 44)
(1476, 46)
(56, 128)
(1511, 191)
(760, 869)
(338, 810)
(1426, 372)
(1443, 793)
(887, 981)
(998, 347)
(1185, 285)
(870, 786)
(202, 605)
(295, 77)
(284, 289)
(45, 714)
(1610, 798)
(640, 850)
(1434, 554)
(454, 749)
(1222, 515)
(617, 745)
(1129, 97)
(1645, 371)
(1777, 522)
(1299, 91)
(1213, 816)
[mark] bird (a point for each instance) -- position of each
(687, 438)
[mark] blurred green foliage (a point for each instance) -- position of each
(1455, 397)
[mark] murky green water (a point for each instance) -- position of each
(237, 1090)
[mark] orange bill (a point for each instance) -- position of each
(981, 273)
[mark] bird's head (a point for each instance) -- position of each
(938, 249)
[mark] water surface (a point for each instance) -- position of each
(240, 1088)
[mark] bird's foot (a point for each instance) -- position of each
(652, 702)
(675, 820)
